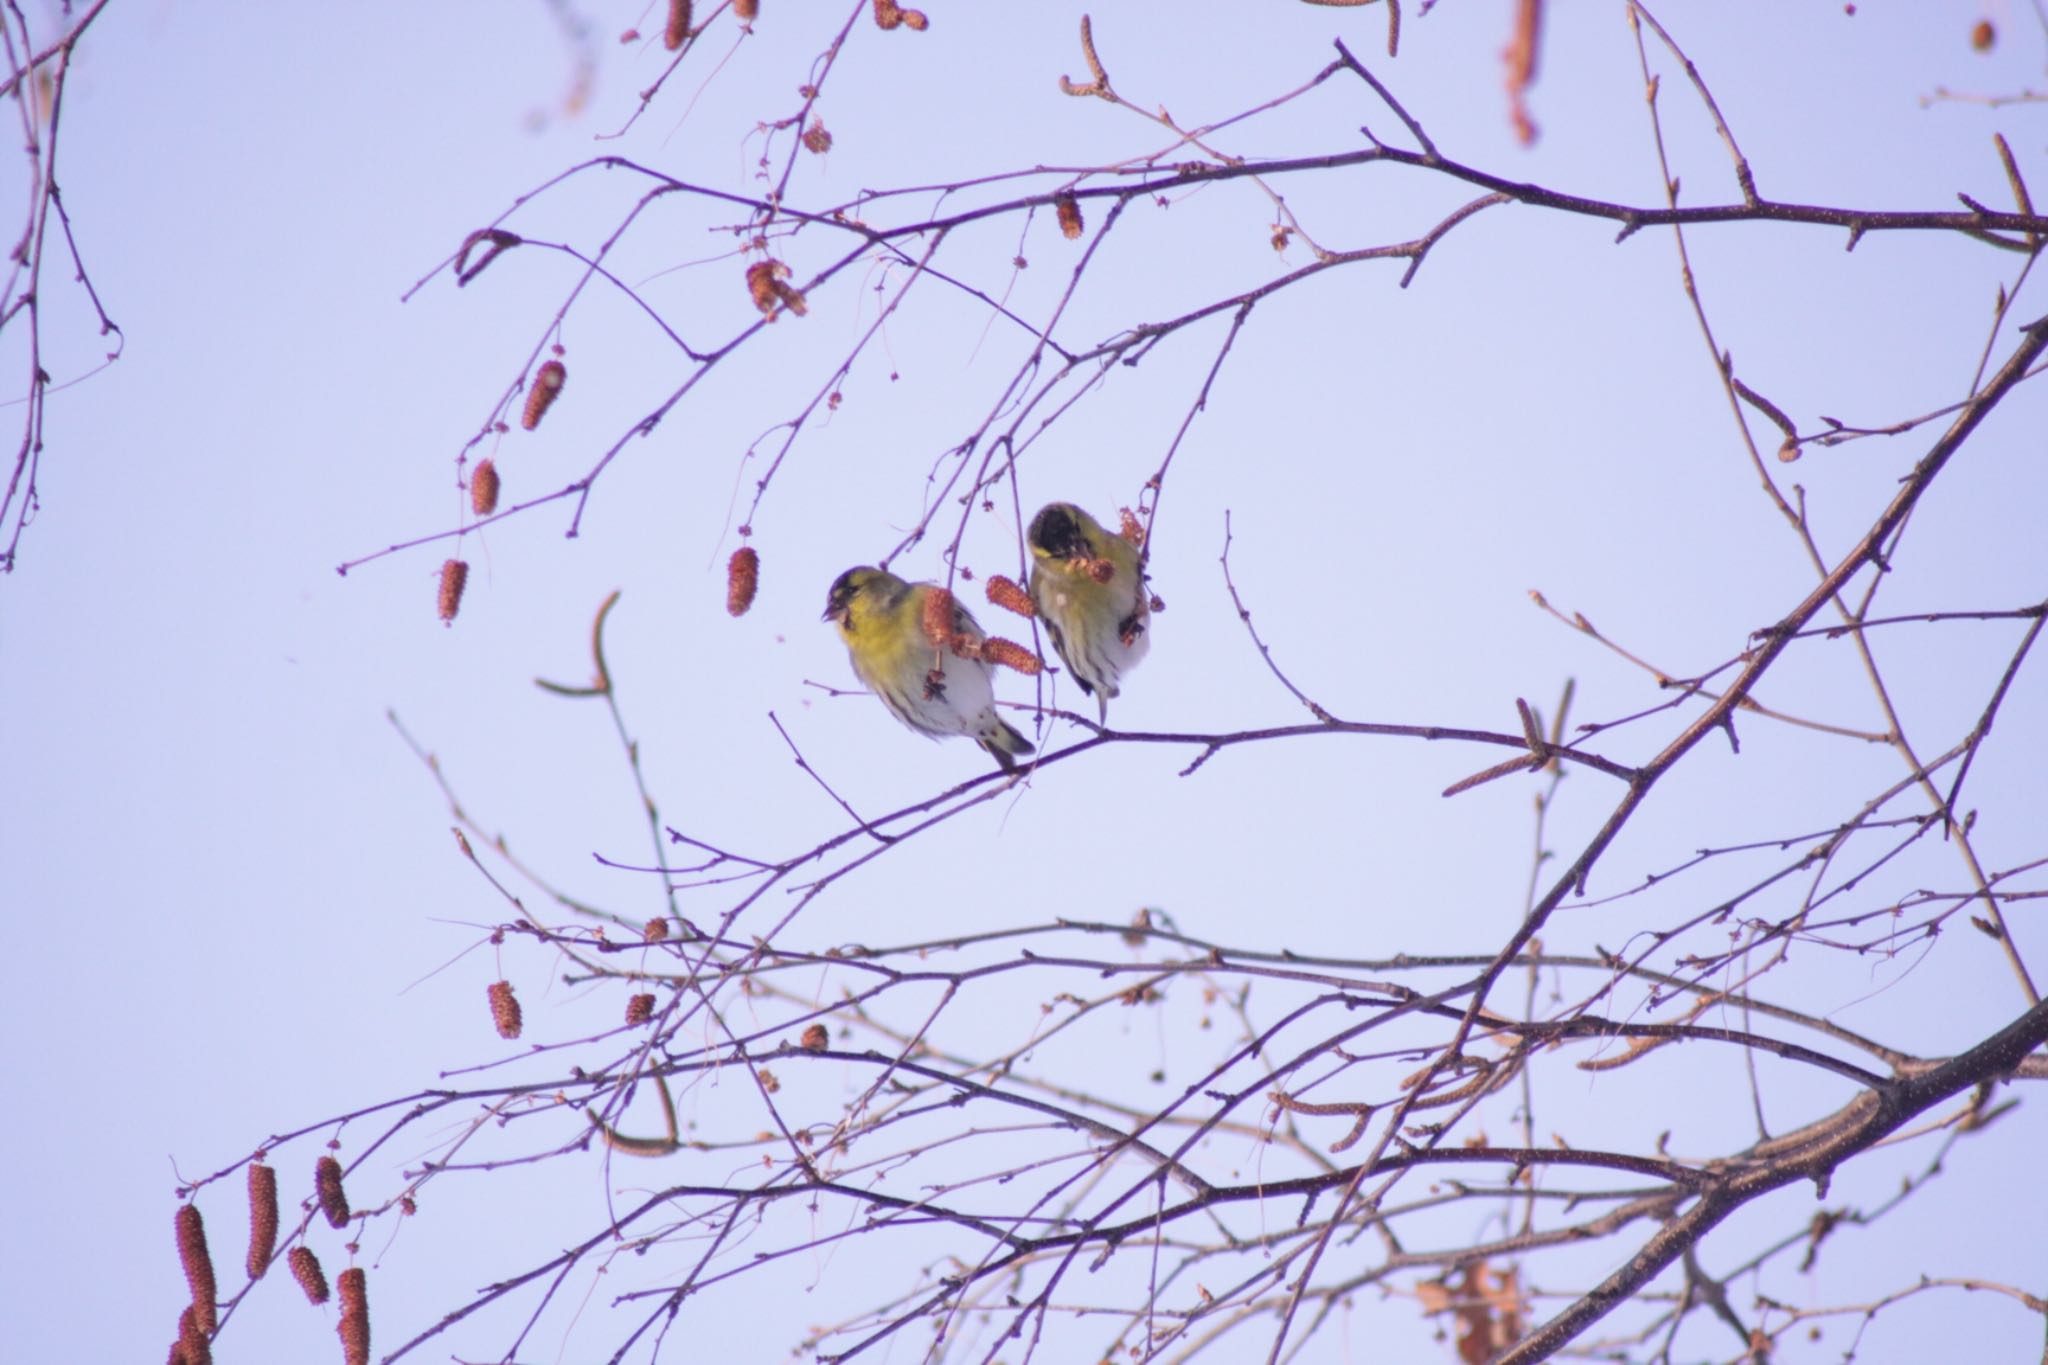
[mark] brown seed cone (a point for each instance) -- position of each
(1131, 529)
(192, 1254)
(1068, 209)
(746, 11)
(305, 1267)
(327, 1187)
(639, 1010)
(483, 489)
(938, 618)
(1010, 654)
(454, 578)
(193, 1348)
(262, 1218)
(888, 14)
(504, 1009)
(678, 24)
(914, 20)
(547, 386)
(656, 930)
(817, 138)
(353, 1290)
(742, 580)
(815, 1038)
(1009, 596)
(1101, 570)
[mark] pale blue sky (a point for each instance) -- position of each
(237, 906)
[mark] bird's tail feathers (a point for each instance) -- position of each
(1005, 744)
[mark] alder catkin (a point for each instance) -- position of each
(504, 1009)
(1009, 596)
(454, 578)
(483, 489)
(639, 1010)
(815, 1038)
(1068, 210)
(678, 24)
(742, 580)
(327, 1188)
(938, 617)
(262, 1218)
(305, 1268)
(353, 1290)
(1010, 654)
(817, 138)
(198, 1264)
(193, 1348)
(746, 11)
(547, 385)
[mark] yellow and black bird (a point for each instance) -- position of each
(933, 689)
(1088, 586)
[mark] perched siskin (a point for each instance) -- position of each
(1089, 588)
(933, 689)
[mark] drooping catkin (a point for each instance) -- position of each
(352, 1288)
(639, 1009)
(1068, 210)
(305, 1268)
(742, 580)
(327, 1188)
(547, 386)
(1131, 528)
(505, 1009)
(1009, 596)
(454, 578)
(483, 489)
(193, 1347)
(996, 650)
(938, 617)
(678, 25)
(262, 1218)
(198, 1264)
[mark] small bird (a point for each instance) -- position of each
(1088, 586)
(931, 688)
